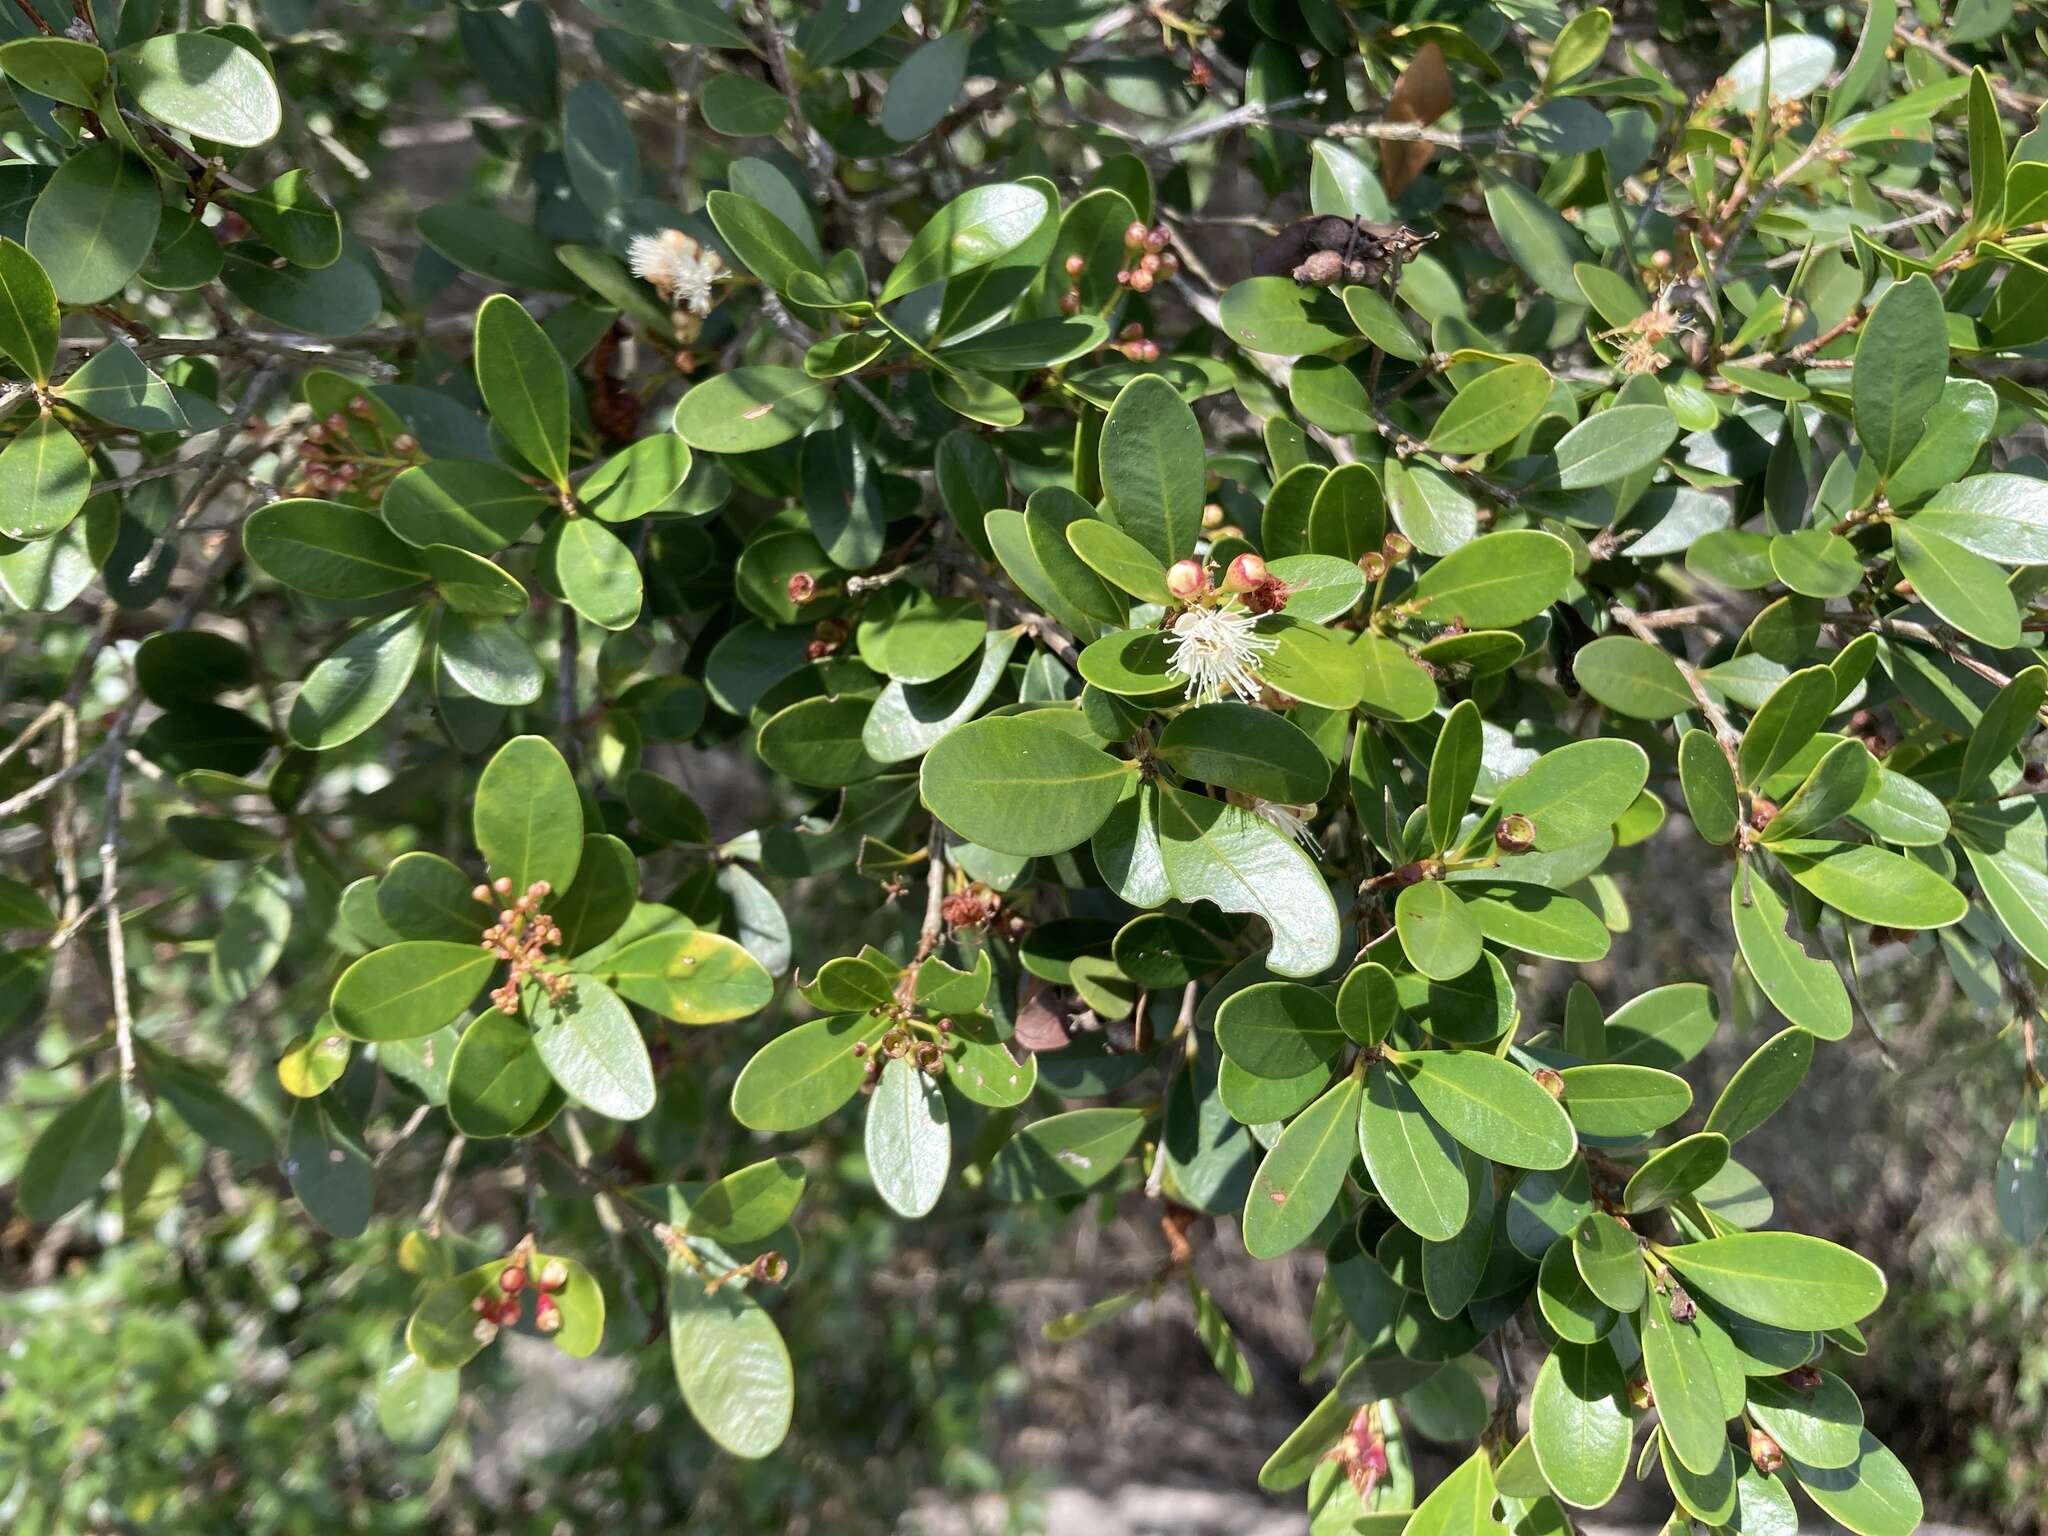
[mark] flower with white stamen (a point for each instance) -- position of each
(1219, 648)
(681, 270)
(1290, 821)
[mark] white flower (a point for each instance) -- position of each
(1219, 648)
(681, 270)
(1290, 821)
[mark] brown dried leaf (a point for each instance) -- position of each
(1420, 96)
(1041, 1025)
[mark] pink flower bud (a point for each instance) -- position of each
(1186, 579)
(1246, 571)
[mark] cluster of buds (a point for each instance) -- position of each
(1146, 257)
(1374, 564)
(522, 935)
(827, 636)
(898, 1043)
(1514, 833)
(1136, 345)
(972, 906)
(345, 452)
(503, 1303)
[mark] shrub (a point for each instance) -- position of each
(1177, 671)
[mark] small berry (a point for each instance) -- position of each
(1764, 1453)
(1076, 265)
(1514, 833)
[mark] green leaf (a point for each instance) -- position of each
(1707, 780)
(336, 300)
(524, 385)
(1567, 1303)
(1807, 991)
(497, 1081)
(415, 1403)
(293, 220)
(1577, 49)
(1119, 559)
(1453, 773)
(764, 244)
(472, 505)
(1414, 1163)
(1493, 1107)
(1576, 792)
(909, 1145)
(731, 1365)
(1392, 684)
(528, 816)
(61, 68)
(1579, 1426)
(2008, 721)
(356, 685)
(1278, 1029)
(118, 387)
(1064, 1154)
(1633, 677)
(28, 303)
(1966, 589)
(1796, 709)
(206, 85)
(2018, 895)
(924, 86)
(748, 409)
(1873, 1497)
(44, 480)
(1018, 786)
(1872, 884)
(488, 659)
(409, 989)
(1153, 468)
(1491, 409)
(1901, 363)
(741, 107)
(1843, 778)
(1460, 1505)
(748, 1204)
(329, 1170)
(1538, 239)
(1225, 854)
(804, 1074)
(908, 719)
(974, 229)
(596, 572)
(1439, 936)
(639, 479)
(1253, 751)
(93, 224)
(1816, 562)
(1817, 1426)
(1610, 1260)
(1681, 1376)
(1785, 1279)
(691, 976)
(1676, 1170)
(1762, 1085)
(73, 1154)
(1279, 317)
(1612, 444)
(1496, 581)
(592, 1047)
(1300, 1179)
(1612, 1100)
(921, 638)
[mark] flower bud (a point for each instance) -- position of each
(553, 1275)
(1076, 265)
(547, 1317)
(512, 1280)
(1764, 1453)
(502, 885)
(1158, 238)
(481, 893)
(1514, 833)
(1246, 571)
(485, 1331)
(1141, 281)
(1212, 515)
(1070, 303)
(1186, 579)
(1134, 235)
